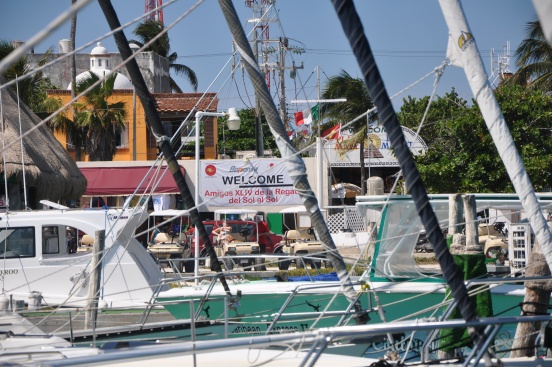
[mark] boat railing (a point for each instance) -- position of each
(315, 341)
(280, 315)
(345, 315)
(424, 355)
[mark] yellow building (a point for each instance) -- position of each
(136, 142)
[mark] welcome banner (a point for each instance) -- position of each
(246, 183)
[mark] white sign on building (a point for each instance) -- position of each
(378, 153)
(252, 182)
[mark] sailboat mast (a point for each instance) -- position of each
(154, 121)
(463, 52)
(294, 163)
(21, 144)
(319, 150)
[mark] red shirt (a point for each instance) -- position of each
(262, 227)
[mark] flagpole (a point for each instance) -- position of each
(319, 150)
(320, 159)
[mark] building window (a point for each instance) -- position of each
(17, 242)
(100, 62)
(50, 240)
(69, 143)
(121, 137)
(91, 63)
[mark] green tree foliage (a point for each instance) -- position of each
(32, 89)
(534, 59)
(461, 154)
(100, 119)
(149, 30)
(62, 123)
(358, 102)
(244, 138)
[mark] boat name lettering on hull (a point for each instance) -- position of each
(247, 329)
(114, 217)
(9, 272)
(256, 330)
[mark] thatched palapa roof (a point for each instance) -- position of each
(48, 166)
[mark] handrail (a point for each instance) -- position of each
(316, 338)
(296, 291)
(346, 314)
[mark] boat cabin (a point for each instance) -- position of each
(399, 229)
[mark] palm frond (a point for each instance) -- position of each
(188, 73)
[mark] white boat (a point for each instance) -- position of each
(37, 257)
(274, 350)
(211, 299)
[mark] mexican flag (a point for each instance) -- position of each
(307, 116)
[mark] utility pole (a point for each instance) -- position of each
(270, 59)
(283, 45)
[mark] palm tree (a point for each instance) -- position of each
(534, 59)
(358, 102)
(62, 123)
(75, 134)
(32, 89)
(100, 119)
(146, 32)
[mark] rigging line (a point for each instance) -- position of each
(71, 53)
(303, 84)
(22, 50)
(21, 145)
(245, 88)
(230, 59)
(354, 31)
(296, 168)
(2, 121)
(438, 73)
(194, 108)
(154, 121)
(239, 93)
(7, 201)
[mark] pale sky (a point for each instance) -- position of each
(408, 37)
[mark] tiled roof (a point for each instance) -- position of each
(181, 102)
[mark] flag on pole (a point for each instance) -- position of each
(332, 133)
(307, 116)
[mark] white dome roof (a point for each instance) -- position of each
(121, 82)
(99, 60)
(99, 50)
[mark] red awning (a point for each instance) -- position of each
(111, 181)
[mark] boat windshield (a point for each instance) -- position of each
(398, 234)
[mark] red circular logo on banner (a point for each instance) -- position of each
(210, 170)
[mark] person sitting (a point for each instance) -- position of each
(223, 232)
(155, 232)
(226, 239)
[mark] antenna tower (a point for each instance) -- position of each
(152, 5)
(271, 52)
(261, 33)
(500, 69)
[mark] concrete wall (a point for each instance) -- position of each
(155, 69)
